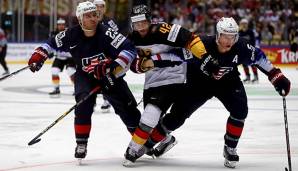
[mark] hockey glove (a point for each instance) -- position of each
(210, 66)
(108, 82)
(37, 59)
(102, 68)
(281, 84)
(90, 68)
(104, 73)
(137, 65)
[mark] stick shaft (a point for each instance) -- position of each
(14, 73)
(287, 133)
(64, 114)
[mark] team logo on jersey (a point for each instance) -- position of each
(58, 38)
(89, 60)
(222, 71)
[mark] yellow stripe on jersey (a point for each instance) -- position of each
(197, 47)
(138, 139)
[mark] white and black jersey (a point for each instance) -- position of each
(160, 41)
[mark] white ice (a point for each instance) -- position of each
(26, 109)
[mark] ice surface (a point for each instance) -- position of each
(26, 109)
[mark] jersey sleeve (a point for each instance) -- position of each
(177, 36)
(60, 42)
(119, 48)
(262, 61)
(255, 56)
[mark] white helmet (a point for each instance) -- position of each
(60, 21)
(227, 26)
(99, 2)
(84, 7)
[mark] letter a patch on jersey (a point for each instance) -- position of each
(235, 60)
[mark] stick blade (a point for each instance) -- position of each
(34, 141)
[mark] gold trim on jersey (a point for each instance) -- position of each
(197, 47)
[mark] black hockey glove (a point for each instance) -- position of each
(104, 73)
(108, 82)
(210, 66)
(281, 83)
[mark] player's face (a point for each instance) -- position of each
(244, 26)
(60, 27)
(142, 27)
(225, 42)
(90, 20)
(101, 10)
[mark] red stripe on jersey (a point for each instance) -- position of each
(157, 136)
(82, 129)
(142, 134)
(158, 57)
(234, 130)
(123, 59)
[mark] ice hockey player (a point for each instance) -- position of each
(217, 75)
(247, 33)
(62, 60)
(105, 20)
(156, 41)
(102, 57)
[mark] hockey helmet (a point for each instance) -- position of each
(99, 2)
(140, 13)
(227, 26)
(84, 7)
(60, 21)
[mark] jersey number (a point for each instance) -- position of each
(111, 33)
(165, 28)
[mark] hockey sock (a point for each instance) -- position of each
(233, 131)
(140, 137)
(56, 80)
(246, 71)
(82, 128)
(158, 134)
(254, 70)
(72, 78)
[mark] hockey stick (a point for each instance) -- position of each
(37, 139)
(287, 134)
(14, 73)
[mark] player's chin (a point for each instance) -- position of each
(227, 48)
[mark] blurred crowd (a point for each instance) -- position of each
(271, 20)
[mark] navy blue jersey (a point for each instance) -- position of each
(109, 22)
(248, 35)
(242, 52)
(106, 43)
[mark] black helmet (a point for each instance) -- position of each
(140, 13)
